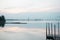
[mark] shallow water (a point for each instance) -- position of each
(30, 31)
(15, 33)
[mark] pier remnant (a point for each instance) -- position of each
(52, 31)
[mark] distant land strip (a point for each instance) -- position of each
(32, 19)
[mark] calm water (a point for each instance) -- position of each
(33, 30)
(29, 31)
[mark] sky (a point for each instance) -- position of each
(18, 6)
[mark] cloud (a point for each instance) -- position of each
(20, 10)
(55, 9)
(18, 6)
(13, 10)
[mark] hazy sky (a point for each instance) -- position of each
(16, 6)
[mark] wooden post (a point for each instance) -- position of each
(46, 31)
(51, 29)
(54, 31)
(58, 28)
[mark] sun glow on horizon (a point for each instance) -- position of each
(18, 29)
(20, 10)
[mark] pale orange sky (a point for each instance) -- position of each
(18, 6)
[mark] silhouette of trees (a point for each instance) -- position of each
(2, 21)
